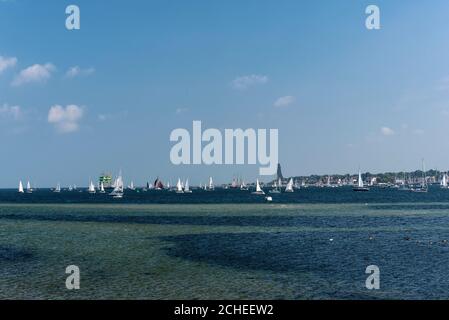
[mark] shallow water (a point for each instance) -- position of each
(234, 248)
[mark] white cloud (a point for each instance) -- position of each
(418, 131)
(245, 82)
(387, 131)
(34, 73)
(8, 111)
(65, 119)
(181, 110)
(6, 63)
(77, 71)
(284, 101)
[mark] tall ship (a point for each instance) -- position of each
(106, 179)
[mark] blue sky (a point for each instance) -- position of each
(139, 69)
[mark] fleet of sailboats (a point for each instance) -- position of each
(413, 184)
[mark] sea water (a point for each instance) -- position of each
(227, 244)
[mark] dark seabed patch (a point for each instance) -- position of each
(13, 254)
(411, 267)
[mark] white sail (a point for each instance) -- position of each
(58, 188)
(102, 187)
(360, 180)
(179, 186)
(91, 187)
(289, 187)
(211, 184)
(29, 189)
(118, 187)
(118, 184)
(444, 181)
(20, 187)
(258, 188)
(187, 187)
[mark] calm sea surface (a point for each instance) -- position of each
(225, 244)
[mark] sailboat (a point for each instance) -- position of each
(423, 188)
(58, 188)
(275, 189)
(187, 188)
(179, 187)
(211, 184)
(243, 186)
(258, 188)
(20, 187)
(91, 187)
(117, 193)
(360, 186)
(29, 189)
(296, 185)
(289, 187)
(444, 181)
(131, 186)
(102, 188)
